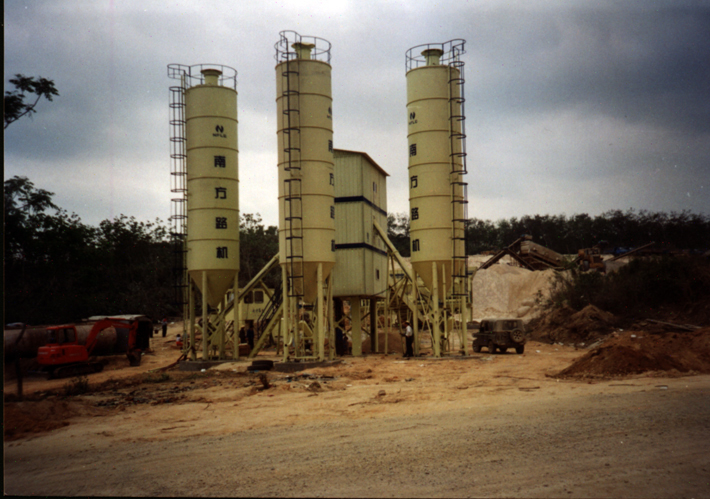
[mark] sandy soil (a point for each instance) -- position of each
(378, 426)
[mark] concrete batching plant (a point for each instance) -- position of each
(299, 316)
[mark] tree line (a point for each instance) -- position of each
(58, 269)
(616, 230)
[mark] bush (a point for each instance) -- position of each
(640, 285)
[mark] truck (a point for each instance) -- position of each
(499, 334)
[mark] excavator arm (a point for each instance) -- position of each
(134, 355)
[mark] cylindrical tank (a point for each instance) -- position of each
(305, 161)
(109, 342)
(212, 185)
(436, 187)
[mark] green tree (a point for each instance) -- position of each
(15, 106)
(59, 270)
(257, 245)
(398, 232)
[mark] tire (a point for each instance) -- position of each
(261, 365)
(477, 348)
(519, 350)
(517, 335)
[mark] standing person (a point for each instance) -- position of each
(165, 326)
(242, 335)
(250, 336)
(409, 338)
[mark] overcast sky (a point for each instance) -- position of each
(571, 106)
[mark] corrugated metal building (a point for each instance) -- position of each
(360, 197)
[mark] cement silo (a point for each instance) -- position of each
(305, 161)
(437, 191)
(212, 186)
(306, 191)
(205, 213)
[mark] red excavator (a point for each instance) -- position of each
(63, 356)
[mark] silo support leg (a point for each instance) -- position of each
(205, 327)
(237, 316)
(415, 313)
(331, 315)
(464, 327)
(374, 344)
(320, 332)
(356, 326)
(286, 324)
(435, 333)
(191, 345)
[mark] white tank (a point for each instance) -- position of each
(305, 161)
(436, 162)
(212, 184)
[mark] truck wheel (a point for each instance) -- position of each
(520, 349)
(476, 348)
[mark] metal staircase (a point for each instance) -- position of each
(270, 310)
(178, 185)
(293, 203)
(459, 188)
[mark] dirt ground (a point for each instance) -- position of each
(548, 423)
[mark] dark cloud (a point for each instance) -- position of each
(571, 107)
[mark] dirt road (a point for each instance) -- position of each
(491, 425)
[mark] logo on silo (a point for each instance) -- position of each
(219, 129)
(412, 118)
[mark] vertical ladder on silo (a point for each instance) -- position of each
(178, 185)
(459, 188)
(293, 203)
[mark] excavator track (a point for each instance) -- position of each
(77, 370)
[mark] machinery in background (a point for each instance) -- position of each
(63, 356)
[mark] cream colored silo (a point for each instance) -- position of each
(436, 164)
(212, 186)
(305, 162)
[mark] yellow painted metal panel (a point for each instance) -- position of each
(212, 187)
(305, 126)
(431, 102)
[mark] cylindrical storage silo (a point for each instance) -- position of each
(436, 162)
(305, 161)
(212, 185)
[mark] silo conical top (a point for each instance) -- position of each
(432, 56)
(211, 76)
(303, 49)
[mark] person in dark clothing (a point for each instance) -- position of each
(242, 335)
(250, 337)
(339, 341)
(165, 327)
(409, 339)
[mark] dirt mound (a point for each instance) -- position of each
(636, 353)
(565, 325)
(505, 290)
(24, 418)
